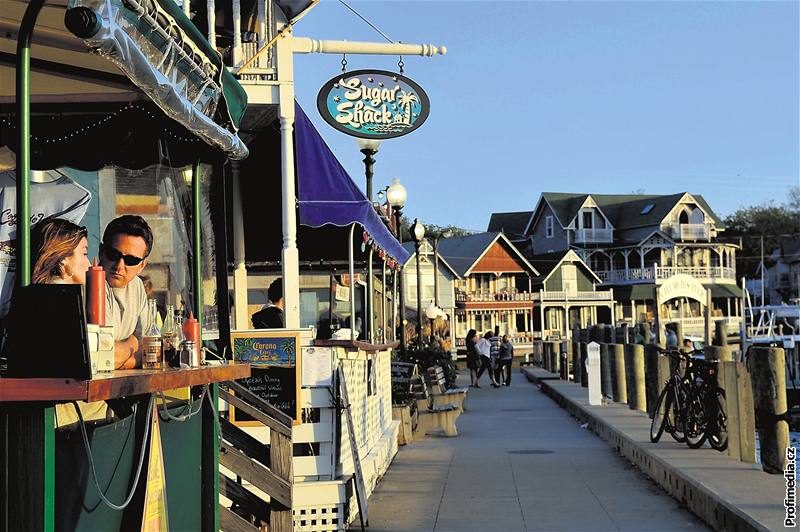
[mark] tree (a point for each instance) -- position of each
(774, 222)
(438, 231)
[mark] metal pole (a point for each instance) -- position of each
(197, 275)
(23, 79)
(384, 339)
(762, 271)
(419, 295)
(368, 311)
(369, 162)
(304, 45)
(436, 271)
(401, 289)
(351, 271)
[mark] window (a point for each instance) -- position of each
(647, 208)
(587, 219)
(548, 227)
(569, 278)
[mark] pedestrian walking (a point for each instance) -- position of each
(473, 357)
(484, 348)
(504, 360)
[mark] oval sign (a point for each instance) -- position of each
(373, 104)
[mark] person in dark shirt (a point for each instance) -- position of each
(271, 316)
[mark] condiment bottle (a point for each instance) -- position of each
(169, 346)
(96, 294)
(176, 360)
(151, 340)
(191, 330)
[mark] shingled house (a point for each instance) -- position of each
(634, 243)
(494, 288)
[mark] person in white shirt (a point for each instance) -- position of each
(484, 347)
(127, 241)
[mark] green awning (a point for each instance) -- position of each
(724, 290)
(635, 292)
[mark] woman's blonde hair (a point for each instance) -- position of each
(52, 242)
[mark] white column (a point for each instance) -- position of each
(242, 317)
(211, 19)
(262, 22)
(237, 32)
(289, 253)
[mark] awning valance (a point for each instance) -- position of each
(327, 194)
(724, 290)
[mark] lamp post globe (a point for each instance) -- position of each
(432, 312)
(418, 230)
(396, 196)
(369, 147)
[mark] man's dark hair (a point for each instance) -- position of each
(131, 225)
(687, 342)
(488, 334)
(275, 290)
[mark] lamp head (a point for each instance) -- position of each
(418, 229)
(396, 194)
(380, 196)
(432, 311)
(368, 145)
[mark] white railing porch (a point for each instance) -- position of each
(594, 235)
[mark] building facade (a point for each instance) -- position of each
(494, 289)
(633, 244)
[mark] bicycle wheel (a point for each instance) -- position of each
(659, 415)
(676, 413)
(718, 429)
(695, 421)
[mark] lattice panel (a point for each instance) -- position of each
(318, 518)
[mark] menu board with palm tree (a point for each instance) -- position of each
(275, 369)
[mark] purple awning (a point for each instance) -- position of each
(327, 194)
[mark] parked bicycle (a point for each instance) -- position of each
(667, 414)
(705, 417)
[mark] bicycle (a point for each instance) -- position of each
(705, 417)
(671, 401)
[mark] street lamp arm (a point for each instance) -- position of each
(304, 45)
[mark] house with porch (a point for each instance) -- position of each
(634, 243)
(494, 287)
(565, 296)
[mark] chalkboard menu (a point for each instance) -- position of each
(401, 381)
(275, 385)
(275, 377)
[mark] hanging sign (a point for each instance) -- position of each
(373, 104)
(682, 285)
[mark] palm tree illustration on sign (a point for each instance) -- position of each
(407, 101)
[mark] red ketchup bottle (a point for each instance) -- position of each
(96, 294)
(191, 331)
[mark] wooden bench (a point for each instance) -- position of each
(432, 416)
(442, 394)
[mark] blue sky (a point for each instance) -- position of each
(605, 97)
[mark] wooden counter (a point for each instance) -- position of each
(120, 383)
(356, 344)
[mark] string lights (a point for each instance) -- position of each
(4, 122)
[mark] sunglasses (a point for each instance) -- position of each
(114, 255)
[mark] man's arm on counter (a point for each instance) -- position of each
(126, 353)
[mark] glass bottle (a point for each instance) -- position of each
(168, 345)
(151, 340)
(179, 339)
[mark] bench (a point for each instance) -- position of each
(442, 394)
(432, 416)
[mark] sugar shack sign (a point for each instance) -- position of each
(373, 104)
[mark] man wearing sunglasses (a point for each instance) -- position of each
(127, 241)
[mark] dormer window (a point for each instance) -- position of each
(549, 230)
(587, 219)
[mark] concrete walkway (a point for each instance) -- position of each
(519, 463)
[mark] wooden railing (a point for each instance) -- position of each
(664, 272)
(266, 467)
(463, 297)
(594, 235)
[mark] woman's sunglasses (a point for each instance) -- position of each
(114, 255)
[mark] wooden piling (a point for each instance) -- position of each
(652, 380)
(619, 388)
(768, 371)
(720, 333)
(605, 370)
(634, 376)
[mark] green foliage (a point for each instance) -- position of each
(775, 222)
(426, 357)
(438, 231)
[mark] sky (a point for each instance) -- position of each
(603, 97)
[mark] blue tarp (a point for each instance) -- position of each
(327, 194)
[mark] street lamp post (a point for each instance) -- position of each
(418, 230)
(396, 196)
(369, 147)
(446, 234)
(432, 312)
